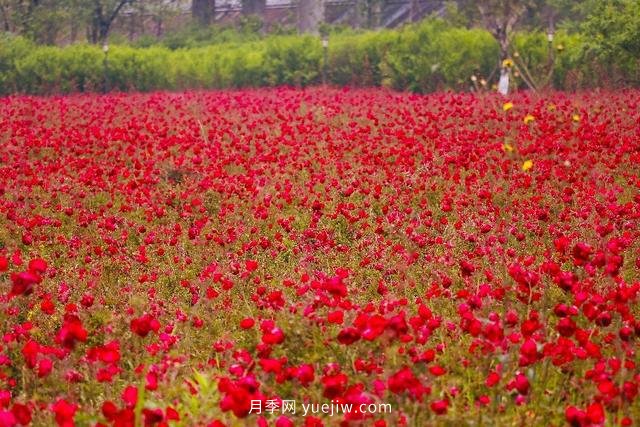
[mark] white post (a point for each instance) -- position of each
(503, 84)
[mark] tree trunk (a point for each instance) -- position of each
(203, 11)
(133, 26)
(253, 7)
(5, 18)
(502, 38)
(104, 31)
(94, 35)
(413, 11)
(73, 30)
(49, 33)
(310, 16)
(357, 13)
(102, 20)
(159, 26)
(374, 13)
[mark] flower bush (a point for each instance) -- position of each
(168, 258)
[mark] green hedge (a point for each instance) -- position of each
(431, 57)
(425, 57)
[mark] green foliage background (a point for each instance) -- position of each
(428, 56)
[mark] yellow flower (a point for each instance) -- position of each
(528, 119)
(507, 106)
(575, 118)
(507, 63)
(507, 147)
(528, 164)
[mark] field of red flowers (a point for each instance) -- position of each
(208, 258)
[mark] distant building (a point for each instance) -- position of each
(283, 13)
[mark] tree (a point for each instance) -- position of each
(501, 18)
(369, 13)
(253, 7)
(46, 22)
(536, 14)
(413, 11)
(39, 20)
(310, 15)
(612, 32)
(156, 12)
(103, 14)
(203, 11)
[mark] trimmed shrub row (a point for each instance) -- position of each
(424, 57)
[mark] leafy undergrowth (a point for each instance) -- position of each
(172, 259)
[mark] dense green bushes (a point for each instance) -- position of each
(425, 57)
(433, 57)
